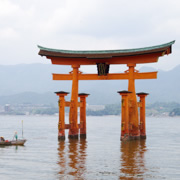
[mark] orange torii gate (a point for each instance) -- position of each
(131, 126)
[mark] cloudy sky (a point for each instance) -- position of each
(87, 25)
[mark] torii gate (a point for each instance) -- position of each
(131, 126)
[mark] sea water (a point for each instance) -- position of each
(101, 156)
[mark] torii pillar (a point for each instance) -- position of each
(83, 114)
(142, 96)
(125, 115)
(61, 124)
(133, 110)
(73, 114)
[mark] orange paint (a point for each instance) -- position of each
(83, 115)
(73, 113)
(61, 124)
(125, 115)
(133, 110)
(139, 59)
(142, 115)
(112, 76)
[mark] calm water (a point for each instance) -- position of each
(101, 156)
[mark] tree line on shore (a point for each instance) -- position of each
(154, 109)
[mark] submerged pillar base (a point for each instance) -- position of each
(73, 136)
(125, 138)
(83, 136)
(134, 137)
(129, 138)
(61, 138)
(143, 137)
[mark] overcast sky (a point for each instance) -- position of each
(87, 25)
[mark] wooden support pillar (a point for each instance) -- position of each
(73, 113)
(142, 96)
(83, 114)
(124, 115)
(133, 110)
(61, 124)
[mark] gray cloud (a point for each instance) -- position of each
(90, 24)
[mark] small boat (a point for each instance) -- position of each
(17, 142)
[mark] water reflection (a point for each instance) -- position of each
(72, 158)
(132, 159)
(14, 147)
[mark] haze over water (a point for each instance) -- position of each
(101, 156)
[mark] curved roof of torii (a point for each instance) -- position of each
(66, 55)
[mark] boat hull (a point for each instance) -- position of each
(5, 143)
(19, 142)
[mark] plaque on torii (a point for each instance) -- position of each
(135, 128)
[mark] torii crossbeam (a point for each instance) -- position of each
(132, 127)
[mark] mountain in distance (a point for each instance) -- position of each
(37, 78)
(32, 83)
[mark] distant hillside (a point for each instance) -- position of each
(30, 78)
(33, 84)
(30, 98)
